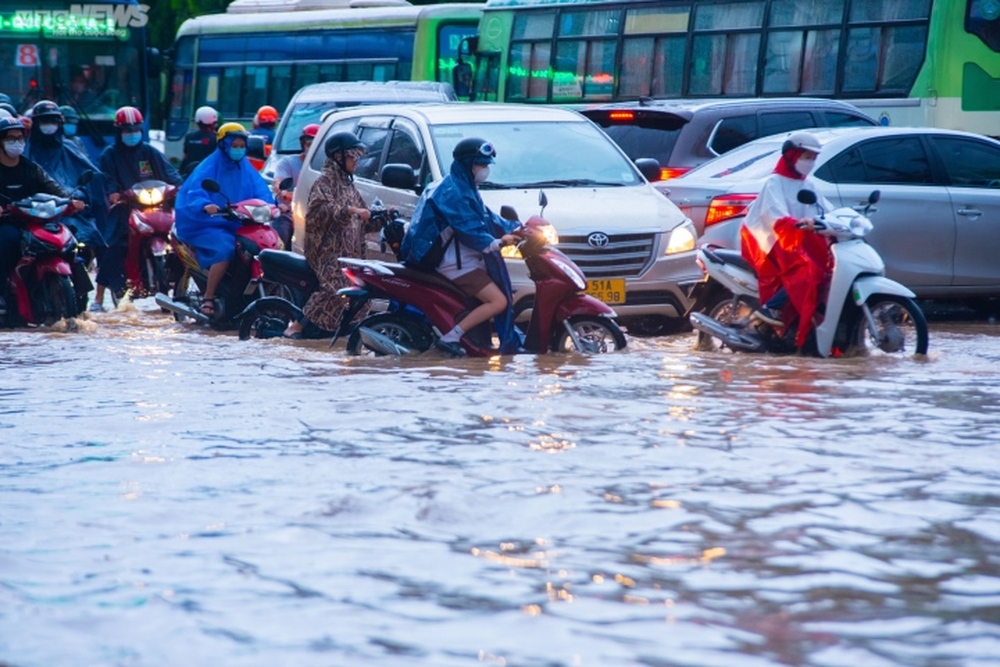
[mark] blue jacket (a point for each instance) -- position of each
(453, 202)
(128, 165)
(213, 236)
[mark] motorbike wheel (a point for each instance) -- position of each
(159, 282)
(725, 311)
(408, 331)
(269, 319)
(60, 298)
(185, 291)
(597, 334)
(901, 326)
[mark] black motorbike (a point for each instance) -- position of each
(269, 316)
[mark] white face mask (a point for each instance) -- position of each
(805, 165)
(48, 128)
(14, 148)
(481, 174)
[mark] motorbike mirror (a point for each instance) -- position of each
(209, 185)
(874, 197)
(286, 184)
(85, 177)
(543, 200)
(807, 197)
(508, 213)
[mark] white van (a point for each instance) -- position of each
(311, 103)
(635, 247)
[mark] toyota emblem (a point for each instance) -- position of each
(598, 240)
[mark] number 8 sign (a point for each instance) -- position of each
(27, 55)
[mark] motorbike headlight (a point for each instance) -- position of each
(682, 239)
(150, 196)
(548, 234)
(261, 214)
(861, 226)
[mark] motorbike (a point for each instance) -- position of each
(47, 281)
(268, 317)
(243, 282)
(562, 318)
(864, 310)
(151, 218)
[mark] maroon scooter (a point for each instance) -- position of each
(424, 304)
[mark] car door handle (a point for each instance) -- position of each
(969, 212)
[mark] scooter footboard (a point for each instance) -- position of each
(865, 286)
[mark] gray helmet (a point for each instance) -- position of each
(342, 141)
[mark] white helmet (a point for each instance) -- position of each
(802, 140)
(206, 116)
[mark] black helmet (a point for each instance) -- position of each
(342, 141)
(46, 109)
(8, 124)
(479, 150)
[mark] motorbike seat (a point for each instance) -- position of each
(431, 278)
(288, 268)
(727, 256)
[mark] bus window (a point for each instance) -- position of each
(529, 67)
(725, 64)
(649, 65)
(266, 85)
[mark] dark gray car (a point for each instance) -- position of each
(682, 134)
(937, 224)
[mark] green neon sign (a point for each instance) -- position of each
(61, 24)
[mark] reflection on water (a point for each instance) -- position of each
(176, 496)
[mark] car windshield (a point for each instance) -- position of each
(298, 116)
(754, 160)
(542, 154)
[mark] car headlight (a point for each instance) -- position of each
(261, 214)
(682, 239)
(149, 196)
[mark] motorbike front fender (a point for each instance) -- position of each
(268, 301)
(52, 265)
(582, 304)
(865, 286)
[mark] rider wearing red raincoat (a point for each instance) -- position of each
(792, 263)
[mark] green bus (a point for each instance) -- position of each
(906, 62)
(262, 51)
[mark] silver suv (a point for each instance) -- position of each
(682, 134)
(635, 247)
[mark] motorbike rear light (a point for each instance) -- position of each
(666, 173)
(727, 207)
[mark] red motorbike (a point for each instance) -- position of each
(150, 220)
(243, 282)
(41, 285)
(425, 304)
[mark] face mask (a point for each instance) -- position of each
(804, 166)
(131, 138)
(481, 174)
(236, 154)
(14, 148)
(69, 129)
(48, 128)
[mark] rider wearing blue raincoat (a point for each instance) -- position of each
(455, 234)
(213, 237)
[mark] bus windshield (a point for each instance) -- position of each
(92, 64)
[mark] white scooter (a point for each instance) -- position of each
(863, 310)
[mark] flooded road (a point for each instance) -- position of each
(171, 496)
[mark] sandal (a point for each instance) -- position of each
(207, 308)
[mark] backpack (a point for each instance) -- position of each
(432, 258)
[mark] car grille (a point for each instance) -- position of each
(624, 255)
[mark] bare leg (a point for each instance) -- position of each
(215, 274)
(493, 303)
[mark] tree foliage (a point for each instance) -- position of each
(165, 16)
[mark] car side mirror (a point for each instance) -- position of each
(399, 176)
(649, 167)
(209, 185)
(255, 147)
(807, 197)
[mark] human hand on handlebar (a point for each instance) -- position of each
(114, 197)
(77, 205)
(508, 239)
(211, 209)
(362, 213)
(806, 223)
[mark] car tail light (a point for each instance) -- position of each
(666, 173)
(621, 116)
(726, 207)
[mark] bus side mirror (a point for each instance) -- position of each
(255, 147)
(462, 79)
(154, 62)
